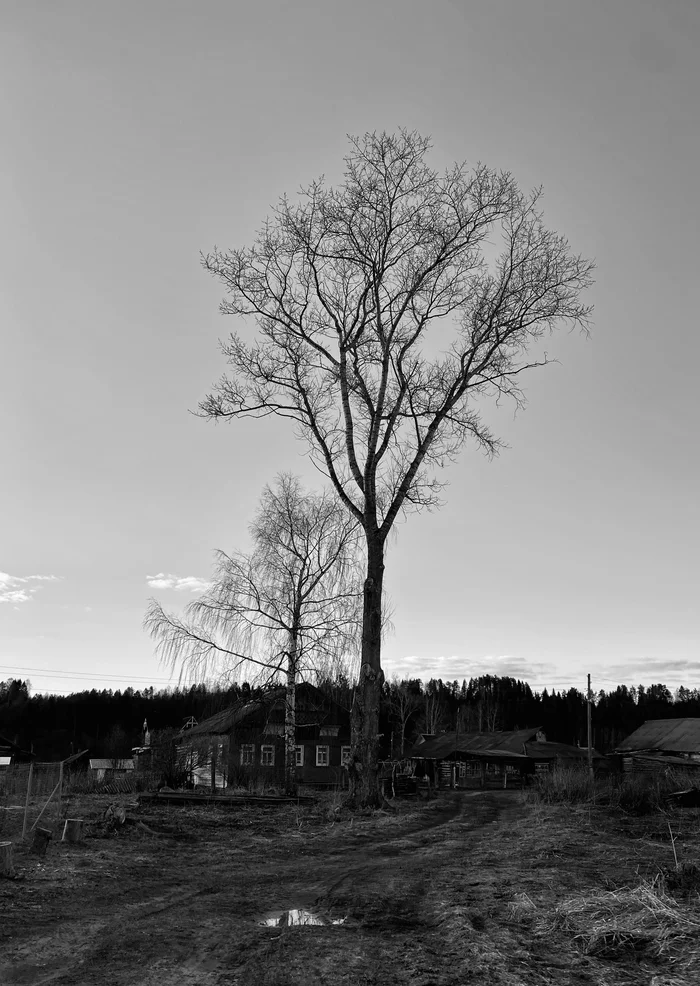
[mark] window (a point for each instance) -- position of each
(329, 730)
(299, 751)
(267, 756)
(322, 756)
(345, 752)
(247, 753)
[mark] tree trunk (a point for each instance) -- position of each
(290, 722)
(364, 767)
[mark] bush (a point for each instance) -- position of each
(567, 785)
(636, 793)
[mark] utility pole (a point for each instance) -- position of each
(590, 744)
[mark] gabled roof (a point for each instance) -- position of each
(312, 708)
(448, 743)
(669, 735)
(222, 722)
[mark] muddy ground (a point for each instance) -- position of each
(465, 889)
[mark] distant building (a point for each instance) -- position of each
(109, 769)
(143, 755)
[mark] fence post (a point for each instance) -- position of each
(60, 788)
(26, 803)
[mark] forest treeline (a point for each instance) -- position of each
(109, 723)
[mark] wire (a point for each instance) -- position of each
(47, 672)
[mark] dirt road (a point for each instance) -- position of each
(423, 896)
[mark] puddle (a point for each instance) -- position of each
(287, 919)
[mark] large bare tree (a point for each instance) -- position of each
(289, 608)
(345, 284)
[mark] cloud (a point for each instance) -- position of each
(648, 670)
(456, 667)
(187, 583)
(550, 675)
(19, 589)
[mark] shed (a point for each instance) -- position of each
(109, 768)
(662, 743)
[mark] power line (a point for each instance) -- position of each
(44, 672)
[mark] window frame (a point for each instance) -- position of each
(247, 756)
(345, 754)
(326, 747)
(299, 755)
(267, 749)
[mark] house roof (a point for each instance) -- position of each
(312, 708)
(445, 744)
(551, 750)
(109, 763)
(222, 722)
(668, 735)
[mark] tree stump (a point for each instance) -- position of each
(73, 830)
(42, 837)
(6, 867)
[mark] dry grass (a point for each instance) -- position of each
(634, 793)
(644, 921)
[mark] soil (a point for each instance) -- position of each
(455, 891)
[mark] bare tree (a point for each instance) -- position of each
(290, 607)
(345, 284)
(434, 713)
(404, 699)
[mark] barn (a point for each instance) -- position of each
(661, 743)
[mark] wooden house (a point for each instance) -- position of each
(245, 742)
(458, 759)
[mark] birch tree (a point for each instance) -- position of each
(288, 609)
(387, 315)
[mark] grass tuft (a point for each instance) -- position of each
(644, 920)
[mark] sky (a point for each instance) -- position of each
(138, 134)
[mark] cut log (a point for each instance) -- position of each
(6, 867)
(73, 830)
(42, 837)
